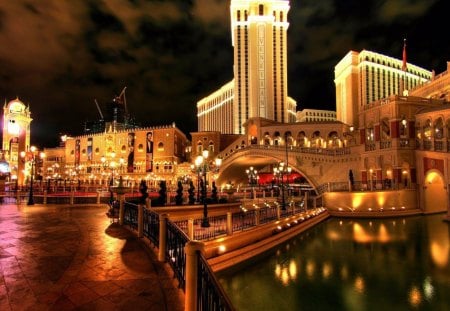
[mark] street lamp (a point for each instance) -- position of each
(111, 165)
(252, 175)
(204, 167)
(280, 172)
(30, 156)
(196, 169)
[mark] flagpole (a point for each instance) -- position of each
(404, 66)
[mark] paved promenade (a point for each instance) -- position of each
(72, 258)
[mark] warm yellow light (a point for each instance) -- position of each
(293, 270)
(359, 284)
(222, 249)
(327, 269)
(415, 297)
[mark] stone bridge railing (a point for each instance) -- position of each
(317, 165)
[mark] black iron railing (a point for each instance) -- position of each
(175, 255)
(210, 294)
(130, 216)
(151, 226)
(243, 220)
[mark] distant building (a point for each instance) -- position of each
(364, 77)
(314, 115)
(149, 153)
(259, 87)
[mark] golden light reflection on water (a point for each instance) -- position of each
(327, 270)
(383, 235)
(415, 297)
(293, 269)
(359, 284)
(286, 273)
(310, 268)
(360, 235)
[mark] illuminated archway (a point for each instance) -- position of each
(435, 194)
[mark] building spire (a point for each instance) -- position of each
(404, 66)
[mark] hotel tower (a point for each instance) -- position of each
(259, 88)
(362, 78)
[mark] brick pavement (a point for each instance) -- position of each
(72, 258)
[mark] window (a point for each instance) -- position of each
(160, 146)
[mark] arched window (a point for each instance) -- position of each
(403, 127)
(439, 129)
(333, 139)
(288, 138)
(160, 146)
(266, 138)
(277, 139)
(385, 129)
(199, 147)
(427, 130)
(316, 139)
(301, 139)
(261, 10)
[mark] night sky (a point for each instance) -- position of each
(58, 56)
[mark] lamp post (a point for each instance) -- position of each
(204, 167)
(280, 172)
(31, 157)
(252, 175)
(196, 170)
(111, 165)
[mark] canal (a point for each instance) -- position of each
(350, 264)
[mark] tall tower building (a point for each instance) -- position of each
(364, 77)
(16, 134)
(259, 88)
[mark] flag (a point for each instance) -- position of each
(404, 67)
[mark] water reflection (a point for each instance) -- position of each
(351, 264)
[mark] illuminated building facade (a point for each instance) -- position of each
(365, 77)
(16, 136)
(259, 88)
(313, 115)
(150, 153)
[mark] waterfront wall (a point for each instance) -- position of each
(405, 199)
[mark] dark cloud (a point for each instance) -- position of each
(58, 56)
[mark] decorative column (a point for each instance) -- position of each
(162, 237)
(192, 250)
(229, 223)
(120, 190)
(191, 228)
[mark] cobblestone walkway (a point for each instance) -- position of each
(72, 258)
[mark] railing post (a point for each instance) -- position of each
(148, 203)
(278, 212)
(257, 216)
(306, 200)
(229, 223)
(45, 196)
(192, 250)
(98, 197)
(162, 237)
(72, 195)
(140, 220)
(191, 228)
(18, 196)
(121, 208)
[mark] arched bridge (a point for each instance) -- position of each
(318, 165)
